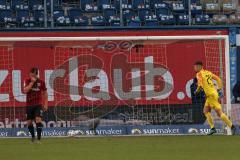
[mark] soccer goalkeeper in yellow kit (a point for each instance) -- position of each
(205, 82)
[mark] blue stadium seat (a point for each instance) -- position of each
(114, 21)
(160, 5)
(57, 14)
(196, 9)
(202, 19)
(34, 2)
(63, 21)
(102, 2)
(178, 7)
(75, 12)
(136, 3)
(151, 20)
(17, 2)
(128, 14)
(28, 25)
(84, 2)
(167, 19)
(2, 2)
(193, 1)
(19, 5)
(125, 3)
(106, 12)
(80, 21)
(4, 5)
(5, 14)
(134, 21)
(143, 12)
(55, 4)
(29, 22)
(8, 21)
(126, 6)
(24, 19)
(153, 2)
(183, 19)
(151, 23)
(109, 12)
(109, 6)
(38, 14)
(60, 19)
(22, 14)
(162, 11)
(36, 5)
(39, 17)
(98, 21)
(90, 8)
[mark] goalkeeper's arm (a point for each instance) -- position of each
(219, 81)
(219, 85)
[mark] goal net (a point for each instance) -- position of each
(126, 85)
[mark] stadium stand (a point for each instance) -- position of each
(30, 13)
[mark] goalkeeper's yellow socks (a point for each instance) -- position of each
(209, 119)
(225, 118)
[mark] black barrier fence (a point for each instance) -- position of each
(65, 116)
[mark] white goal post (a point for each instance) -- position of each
(224, 38)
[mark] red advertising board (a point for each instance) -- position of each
(115, 67)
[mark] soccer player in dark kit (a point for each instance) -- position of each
(37, 102)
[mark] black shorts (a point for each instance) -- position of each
(34, 111)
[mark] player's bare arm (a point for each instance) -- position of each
(27, 88)
(45, 97)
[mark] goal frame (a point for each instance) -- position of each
(112, 38)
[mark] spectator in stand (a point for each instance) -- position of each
(236, 92)
(196, 98)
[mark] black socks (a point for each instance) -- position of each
(31, 130)
(39, 130)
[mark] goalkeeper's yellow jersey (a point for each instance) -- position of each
(205, 81)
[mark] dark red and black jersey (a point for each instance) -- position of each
(34, 96)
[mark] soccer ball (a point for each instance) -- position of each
(21, 134)
(75, 132)
(136, 131)
(192, 131)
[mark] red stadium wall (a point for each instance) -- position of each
(25, 57)
(114, 33)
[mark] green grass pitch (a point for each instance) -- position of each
(124, 148)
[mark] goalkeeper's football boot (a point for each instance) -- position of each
(233, 129)
(212, 131)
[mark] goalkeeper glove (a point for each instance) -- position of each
(220, 93)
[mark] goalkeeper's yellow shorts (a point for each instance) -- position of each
(212, 101)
